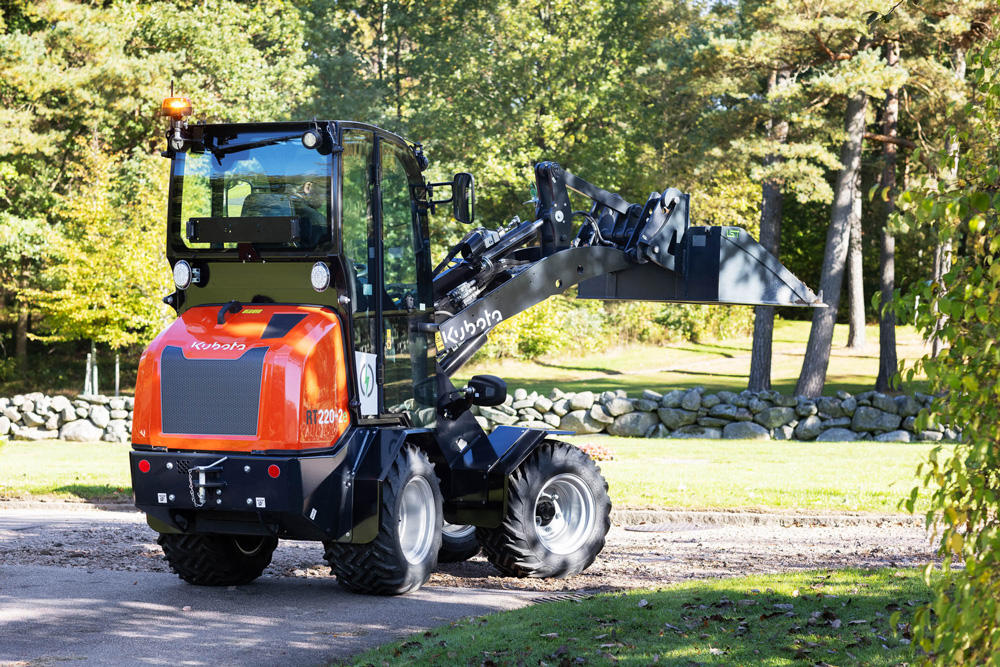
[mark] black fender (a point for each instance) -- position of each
(474, 467)
(517, 444)
(475, 484)
(373, 449)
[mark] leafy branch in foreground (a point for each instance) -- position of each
(962, 624)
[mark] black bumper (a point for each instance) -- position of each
(315, 497)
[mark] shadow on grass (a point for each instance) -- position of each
(571, 367)
(96, 494)
(740, 376)
(727, 351)
(820, 617)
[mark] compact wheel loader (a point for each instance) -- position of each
(303, 390)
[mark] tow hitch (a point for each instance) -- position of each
(199, 497)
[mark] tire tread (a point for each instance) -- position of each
(508, 546)
(373, 567)
(213, 560)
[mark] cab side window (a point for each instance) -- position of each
(409, 361)
(360, 231)
(397, 231)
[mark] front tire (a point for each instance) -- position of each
(558, 513)
(404, 554)
(217, 560)
(458, 543)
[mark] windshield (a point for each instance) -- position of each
(266, 176)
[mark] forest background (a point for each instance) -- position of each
(798, 120)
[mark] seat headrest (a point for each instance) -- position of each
(266, 204)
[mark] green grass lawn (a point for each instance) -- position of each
(825, 618)
(93, 472)
(755, 475)
(688, 474)
(715, 366)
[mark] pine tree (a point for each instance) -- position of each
(859, 73)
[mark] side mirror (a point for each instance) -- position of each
(463, 198)
(481, 390)
(488, 390)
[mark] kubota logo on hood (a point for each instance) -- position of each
(198, 345)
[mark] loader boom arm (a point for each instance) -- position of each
(620, 250)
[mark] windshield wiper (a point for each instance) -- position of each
(223, 151)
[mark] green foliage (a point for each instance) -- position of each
(8, 369)
(633, 96)
(563, 324)
(556, 325)
(108, 270)
(82, 190)
(24, 246)
(637, 322)
(239, 61)
(962, 624)
(699, 323)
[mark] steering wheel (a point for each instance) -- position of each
(395, 291)
(402, 295)
(361, 269)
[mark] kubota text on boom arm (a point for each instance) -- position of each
(619, 250)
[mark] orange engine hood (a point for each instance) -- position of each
(271, 377)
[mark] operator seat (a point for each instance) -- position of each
(266, 205)
(270, 204)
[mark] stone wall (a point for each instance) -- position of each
(689, 413)
(82, 419)
(694, 413)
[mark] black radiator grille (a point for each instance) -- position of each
(210, 396)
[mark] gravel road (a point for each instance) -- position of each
(634, 557)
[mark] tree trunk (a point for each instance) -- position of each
(942, 251)
(770, 239)
(21, 332)
(855, 277)
(817, 358)
(888, 364)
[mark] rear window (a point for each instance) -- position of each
(253, 175)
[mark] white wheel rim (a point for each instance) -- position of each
(254, 549)
(457, 530)
(416, 520)
(564, 514)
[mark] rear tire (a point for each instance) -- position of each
(558, 513)
(404, 554)
(458, 543)
(217, 560)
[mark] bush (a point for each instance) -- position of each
(961, 626)
(556, 325)
(563, 324)
(699, 323)
(638, 322)
(8, 369)
(597, 452)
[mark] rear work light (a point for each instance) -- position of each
(183, 274)
(320, 276)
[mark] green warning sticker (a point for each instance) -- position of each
(732, 233)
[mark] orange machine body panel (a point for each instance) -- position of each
(271, 377)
